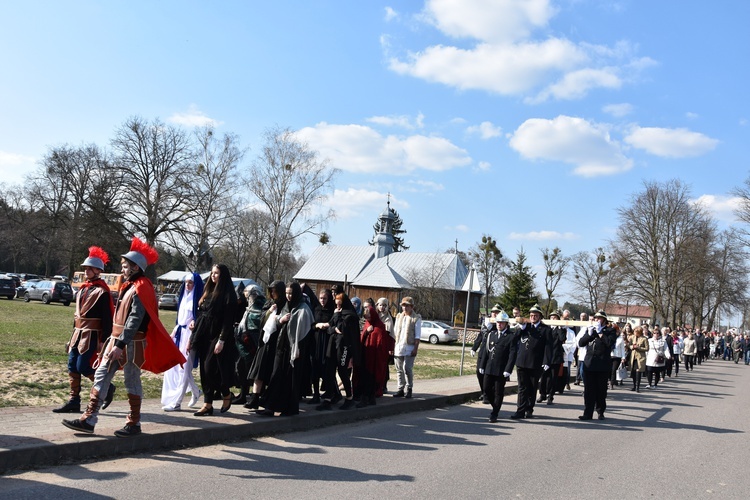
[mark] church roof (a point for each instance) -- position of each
(336, 263)
(400, 270)
(380, 274)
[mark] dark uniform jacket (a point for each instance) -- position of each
(497, 353)
(531, 346)
(558, 337)
(599, 351)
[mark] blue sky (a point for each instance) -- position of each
(531, 121)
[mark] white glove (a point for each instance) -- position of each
(506, 374)
(473, 353)
(545, 367)
(481, 370)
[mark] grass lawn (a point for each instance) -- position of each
(33, 361)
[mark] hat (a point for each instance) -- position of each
(535, 309)
(382, 300)
(141, 254)
(97, 258)
(255, 290)
(556, 313)
(407, 301)
(502, 317)
(600, 314)
(496, 308)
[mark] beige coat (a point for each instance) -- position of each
(638, 350)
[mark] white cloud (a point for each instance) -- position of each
(670, 142)
(618, 110)
(496, 21)
(485, 130)
(691, 116)
(571, 140)
(358, 148)
(193, 118)
(576, 84)
(14, 167)
(463, 228)
(502, 69)
(722, 207)
(484, 166)
(390, 14)
(514, 53)
(403, 121)
(543, 235)
(357, 202)
(420, 185)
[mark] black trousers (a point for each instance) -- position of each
(595, 392)
(528, 384)
(494, 389)
(654, 374)
(548, 383)
(689, 361)
(636, 376)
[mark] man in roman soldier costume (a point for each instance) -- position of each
(92, 327)
(138, 341)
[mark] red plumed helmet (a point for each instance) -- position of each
(141, 253)
(97, 258)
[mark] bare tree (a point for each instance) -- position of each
(433, 290)
(590, 270)
(656, 263)
(489, 262)
(742, 212)
(555, 266)
(290, 183)
(214, 187)
(158, 166)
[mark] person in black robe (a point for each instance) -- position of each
(322, 307)
(262, 366)
(296, 321)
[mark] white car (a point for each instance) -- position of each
(437, 332)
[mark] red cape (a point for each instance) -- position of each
(161, 352)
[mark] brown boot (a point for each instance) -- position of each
(134, 417)
(93, 406)
(74, 403)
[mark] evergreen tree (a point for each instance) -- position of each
(519, 286)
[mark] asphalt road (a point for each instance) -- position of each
(687, 439)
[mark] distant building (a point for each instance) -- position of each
(438, 281)
(628, 313)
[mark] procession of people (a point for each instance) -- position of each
(291, 345)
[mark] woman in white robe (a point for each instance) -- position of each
(178, 380)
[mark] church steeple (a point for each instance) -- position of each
(384, 240)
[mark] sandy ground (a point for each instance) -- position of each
(39, 384)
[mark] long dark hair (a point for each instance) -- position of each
(222, 290)
(279, 287)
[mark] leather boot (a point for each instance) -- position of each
(74, 403)
(93, 406)
(134, 417)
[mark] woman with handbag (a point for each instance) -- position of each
(619, 356)
(656, 358)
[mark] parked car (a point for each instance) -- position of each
(7, 287)
(437, 332)
(21, 289)
(48, 291)
(168, 301)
